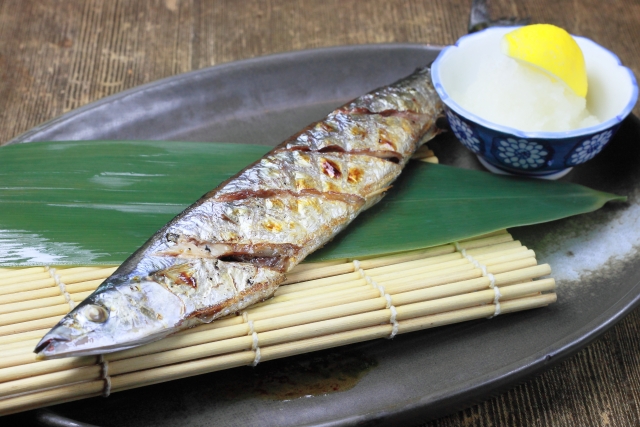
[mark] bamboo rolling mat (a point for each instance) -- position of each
(320, 306)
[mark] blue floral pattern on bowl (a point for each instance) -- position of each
(539, 157)
(464, 133)
(587, 149)
(521, 153)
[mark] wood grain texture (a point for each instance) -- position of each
(597, 387)
(59, 55)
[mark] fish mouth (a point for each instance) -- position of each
(45, 343)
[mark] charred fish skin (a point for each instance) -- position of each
(232, 247)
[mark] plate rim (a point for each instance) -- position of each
(27, 136)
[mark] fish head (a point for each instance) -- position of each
(120, 314)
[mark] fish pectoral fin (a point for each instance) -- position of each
(190, 249)
(378, 192)
(273, 255)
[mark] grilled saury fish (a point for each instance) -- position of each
(233, 247)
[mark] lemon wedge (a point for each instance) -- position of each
(550, 49)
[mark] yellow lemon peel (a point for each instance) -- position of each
(550, 49)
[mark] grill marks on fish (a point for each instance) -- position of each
(329, 168)
(229, 284)
(342, 165)
(360, 131)
(260, 230)
(314, 186)
(250, 294)
(302, 172)
(275, 194)
(232, 247)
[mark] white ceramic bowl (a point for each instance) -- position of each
(612, 94)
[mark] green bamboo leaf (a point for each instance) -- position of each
(431, 205)
(96, 202)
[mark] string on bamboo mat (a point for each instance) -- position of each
(104, 374)
(61, 285)
(254, 336)
(485, 273)
(383, 293)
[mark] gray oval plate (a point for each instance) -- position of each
(413, 377)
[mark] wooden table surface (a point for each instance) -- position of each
(56, 56)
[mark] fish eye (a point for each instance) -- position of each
(95, 313)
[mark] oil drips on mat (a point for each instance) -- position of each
(300, 376)
(172, 403)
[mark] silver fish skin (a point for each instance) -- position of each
(233, 247)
